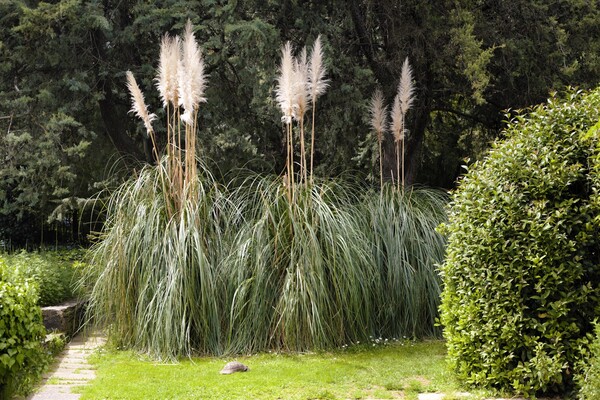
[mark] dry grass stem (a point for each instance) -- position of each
(301, 100)
(286, 99)
(402, 103)
(138, 105)
(405, 88)
(318, 83)
(285, 84)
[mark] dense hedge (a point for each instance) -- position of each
(521, 277)
(22, 357)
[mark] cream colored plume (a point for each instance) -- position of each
(138, 106)
(397, 120)
(285, 85)
(403, 101)
(318, 83)
(191, 78)
(166, 81)
(300, 84)
(378, 114)
(405, 87)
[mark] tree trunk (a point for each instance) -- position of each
(385, 73)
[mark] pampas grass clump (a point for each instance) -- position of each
(283, 262)
(156, 286)
(301, 274)
(407, 250)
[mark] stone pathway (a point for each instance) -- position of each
(70, 370)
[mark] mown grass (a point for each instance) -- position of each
(364, 371)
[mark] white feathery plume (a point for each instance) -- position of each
(301, 84)
(403, 101)
(166, 81)
(378, 114)
(397, 119)
(285, 84)
(405, 87)
(318, 83)
(138, 106)
(191, 78)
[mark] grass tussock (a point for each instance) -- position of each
(279, 263)
(407, 250)
(158, 289)
(301, 275)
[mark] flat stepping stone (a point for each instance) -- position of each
(65, 374)
(55, 392)
(71, 370)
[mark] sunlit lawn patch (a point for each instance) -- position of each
(396, 370)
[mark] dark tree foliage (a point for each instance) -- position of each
(64, 107)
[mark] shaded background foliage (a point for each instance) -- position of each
(63, 102)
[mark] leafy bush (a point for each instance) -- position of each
(22, 357)
(521, 275)
(55, 273)
(589, 379)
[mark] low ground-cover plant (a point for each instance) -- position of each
(521, 277)
(22, 357)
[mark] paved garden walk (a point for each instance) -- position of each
(70, 370)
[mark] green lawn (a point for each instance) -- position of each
(397, 370)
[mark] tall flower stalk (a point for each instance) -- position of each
(379, 124)
(191, 85)
(299, 82)
(286, 99)
(167, 85)
(181, 82)
(301, 68)
(139, 108)
(402, 103)
(318, 84)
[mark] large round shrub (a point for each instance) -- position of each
(521, 277)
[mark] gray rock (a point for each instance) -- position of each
(232, 367)
(66, 317)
